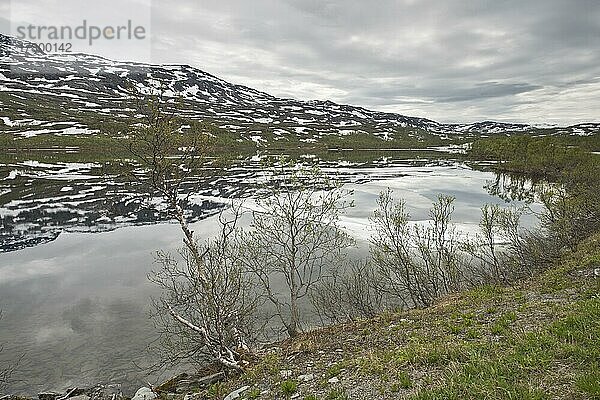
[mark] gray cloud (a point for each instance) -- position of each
(448, 60)
(490, 90)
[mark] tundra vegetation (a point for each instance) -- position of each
(215, 292)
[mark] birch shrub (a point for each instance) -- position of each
(415, 264)
(293, 238)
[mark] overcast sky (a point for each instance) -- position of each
(450, 60)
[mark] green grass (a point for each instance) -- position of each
(536, 340)
(334, 371)
(217, 391)
(288, 387)
(589, 382)
(402, 381)
(337, 394)
(508, 371)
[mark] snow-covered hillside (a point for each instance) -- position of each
(72, 83)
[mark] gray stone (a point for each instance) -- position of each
(105, 392)
(80, 397)
(72, 392)
(144, 393)
(236, 393)
(285, 374)
(48, 396)
(306, 377)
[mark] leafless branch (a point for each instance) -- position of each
(293, 237)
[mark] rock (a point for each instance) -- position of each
(333, 380)
(236, 393)
(48, 396)
(80, 397)
(144, 394)
(306, 377)
(105, 392)
(285, 374)
(71, 393)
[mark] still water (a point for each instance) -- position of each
(76, 307)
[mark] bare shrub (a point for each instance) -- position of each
(569, 217)
(155, 142)
(5, 375)
(293, 237)
(349, 293)
(207, 303)
(438, 248)
(489, 261)
(527, 251)
(206, 313)
(415, 265)
(504, 250)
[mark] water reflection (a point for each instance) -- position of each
(513, 187)
(77, 306)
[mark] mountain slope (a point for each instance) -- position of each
(51, 93)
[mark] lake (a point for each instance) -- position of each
(77, 246)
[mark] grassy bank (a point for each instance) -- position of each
(535, 340)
